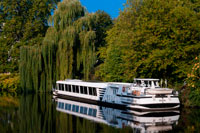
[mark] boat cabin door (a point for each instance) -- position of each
(113, 91)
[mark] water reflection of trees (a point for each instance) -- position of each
(37, 113)
(8, 113)
(189, 121)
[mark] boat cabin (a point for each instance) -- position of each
(77, 89)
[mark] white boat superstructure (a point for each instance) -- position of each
(144, 122)
(143, 94)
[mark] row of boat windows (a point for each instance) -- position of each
(76, 108)
(78, 89)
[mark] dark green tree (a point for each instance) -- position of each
(154, 38)
(23, 22)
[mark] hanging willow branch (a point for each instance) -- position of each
(68, 49)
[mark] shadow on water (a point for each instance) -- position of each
(40, 113)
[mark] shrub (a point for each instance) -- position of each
(9, 82)
(193, 81)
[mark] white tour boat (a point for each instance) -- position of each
(152, 121)
(142, 94)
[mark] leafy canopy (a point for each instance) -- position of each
(22, 22)
(152, 38)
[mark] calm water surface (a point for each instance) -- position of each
(41, 113)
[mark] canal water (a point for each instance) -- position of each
(36, 113)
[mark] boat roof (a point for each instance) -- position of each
(92, 83)
(146, 79)
(84, 83)
(120, 83)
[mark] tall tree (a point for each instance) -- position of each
(154, 38)
(68, 49)
(23, 22)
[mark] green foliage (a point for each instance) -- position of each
(152, 38)
(68, 49)
(23, 22)
(9, 82)
(193, 86)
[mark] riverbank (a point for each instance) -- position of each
(9, 82)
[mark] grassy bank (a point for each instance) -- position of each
(9, 82)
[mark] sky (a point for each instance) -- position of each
(112, 7)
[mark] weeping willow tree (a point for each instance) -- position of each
(68, 49)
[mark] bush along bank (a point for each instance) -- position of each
(9, 82)
(190, 94)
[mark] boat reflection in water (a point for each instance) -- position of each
(119, 118)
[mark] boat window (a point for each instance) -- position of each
(61, 87)
(66, 88)
(85, 110)
(90, 90)
(69, 107)
(115, 89)
(73, 88)
(61, 105)
(73, 108)
(85, 90)
(66, 106)
(77, 108)
(81, 89)
(90, 112)
(94, 112)
(81, 110)
(69, 87)
(94, 91)
(77, 89)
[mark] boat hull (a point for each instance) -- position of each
(124, 105)
(90, 101)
